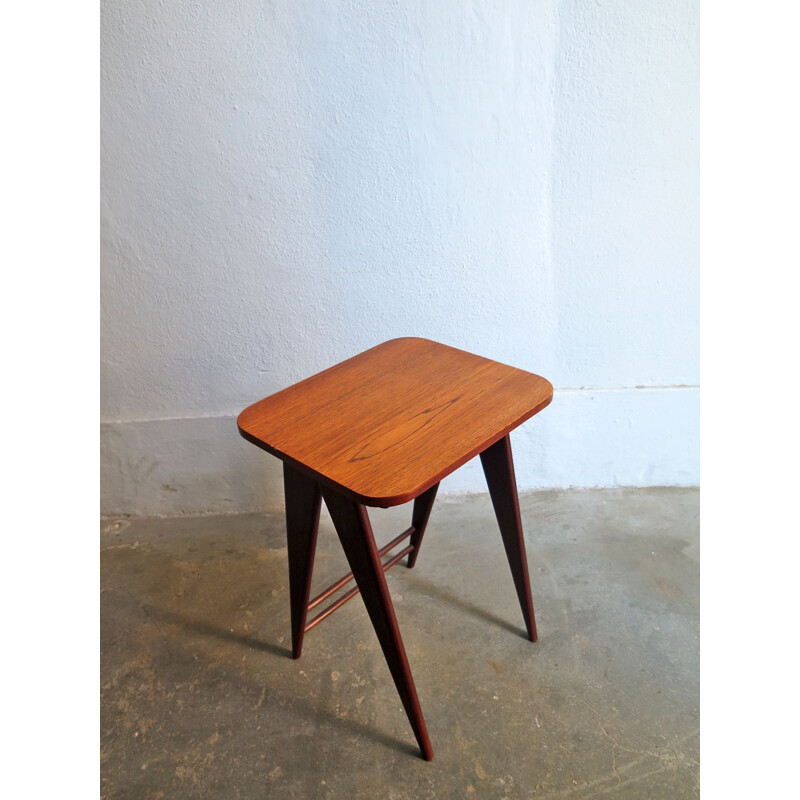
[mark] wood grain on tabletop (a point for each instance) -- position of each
(389, 423)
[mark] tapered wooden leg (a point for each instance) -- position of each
(355, 532)
(303, 499)
(498, 466)
(419, 519)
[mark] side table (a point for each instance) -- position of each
(381, 429)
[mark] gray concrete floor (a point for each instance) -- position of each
(201, 699)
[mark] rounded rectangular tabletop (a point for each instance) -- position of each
(389, 423)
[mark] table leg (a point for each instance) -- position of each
(355, 533)
(498, 466)
(302, 495)
(419, 519)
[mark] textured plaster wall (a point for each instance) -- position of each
(285, 184)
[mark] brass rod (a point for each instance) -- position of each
(334, 587)
(354, 591)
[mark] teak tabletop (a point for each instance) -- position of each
(391, 422)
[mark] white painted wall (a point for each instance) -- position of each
(287, 183)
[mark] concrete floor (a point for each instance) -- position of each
(201, 699)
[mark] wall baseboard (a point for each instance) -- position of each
(585, 438)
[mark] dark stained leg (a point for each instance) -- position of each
(303, 497)
(498, 466)
(419, 519)
(355, 532)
